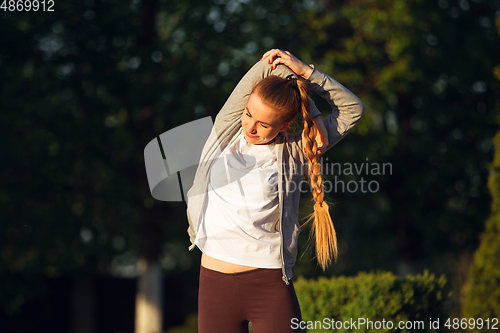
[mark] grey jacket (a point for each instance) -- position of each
(347, 108)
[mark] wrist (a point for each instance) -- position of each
(307, 72)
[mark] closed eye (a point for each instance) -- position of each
(248, 115)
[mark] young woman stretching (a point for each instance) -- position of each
(244, 202)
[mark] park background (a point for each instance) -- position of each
(85, 87)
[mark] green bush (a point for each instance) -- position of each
(375, 297)
(482, 294)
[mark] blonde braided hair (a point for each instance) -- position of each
(290, 97)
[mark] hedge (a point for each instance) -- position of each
(412, 300)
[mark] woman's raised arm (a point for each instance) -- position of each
(237, 101)
(347, 108)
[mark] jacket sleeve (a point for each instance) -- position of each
(237, 101)
(347, 108)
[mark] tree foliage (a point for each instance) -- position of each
(482, 297)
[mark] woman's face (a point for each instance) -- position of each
(260, 122)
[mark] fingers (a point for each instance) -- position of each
(275, 58)
(275, 55)
(265, 54)
(321, 135)
(282, 57)
(272, 53)
(321, 145)
(268, 53)
(279, 61)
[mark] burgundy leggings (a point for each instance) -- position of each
(228, 301)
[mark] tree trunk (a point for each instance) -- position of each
(148, 304)
(82, 305)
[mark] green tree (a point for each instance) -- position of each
(482, 293)
(482, 296)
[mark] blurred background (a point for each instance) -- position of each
(86, 84)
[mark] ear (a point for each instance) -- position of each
(285, 127)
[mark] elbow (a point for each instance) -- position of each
(263, 68)
(361, 108)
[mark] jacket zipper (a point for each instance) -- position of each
(280, 163)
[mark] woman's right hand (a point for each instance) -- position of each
(321, 134)
(277, 56)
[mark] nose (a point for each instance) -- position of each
(251, 128)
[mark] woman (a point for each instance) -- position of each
(243, 205)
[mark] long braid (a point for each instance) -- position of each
(322, 229)
(289, 97)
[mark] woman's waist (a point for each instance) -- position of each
(223, 266)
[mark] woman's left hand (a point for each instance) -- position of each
(322, 134)
(277, 56)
